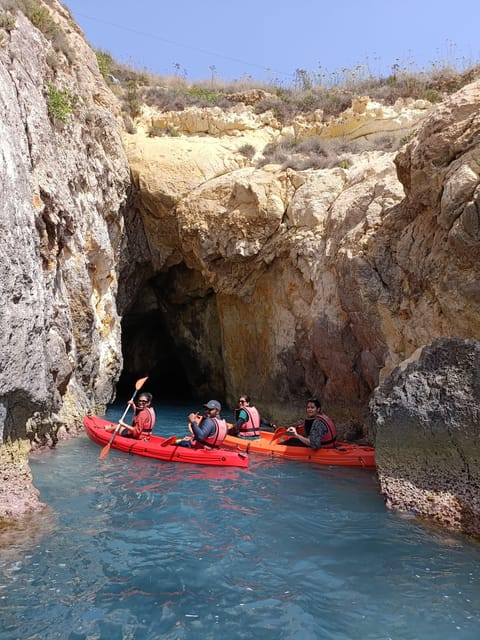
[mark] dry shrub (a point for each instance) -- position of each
(324, 153)
(247, 150)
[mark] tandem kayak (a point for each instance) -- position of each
(344, 454)
(153, 448)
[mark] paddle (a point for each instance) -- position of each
(281, 431)
(170, 440)
(138, 385)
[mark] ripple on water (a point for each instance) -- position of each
(133, 548)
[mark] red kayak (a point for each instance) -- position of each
(343, 454)
(162, 448)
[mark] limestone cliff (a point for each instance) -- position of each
(64, 178)
(323, 280)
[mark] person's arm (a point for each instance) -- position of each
(126, 426)
(317, 431)
(267, 424)
(135, 411)
(292, 431)
(204, 429)
(241, 419)
(193, 419)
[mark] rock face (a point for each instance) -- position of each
(64, 177)
(324, 280)
(426, 418)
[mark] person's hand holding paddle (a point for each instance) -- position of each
(138, 385)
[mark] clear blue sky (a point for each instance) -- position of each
(269, 40)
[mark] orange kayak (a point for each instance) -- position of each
(345, 454)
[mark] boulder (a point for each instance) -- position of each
(426, 425)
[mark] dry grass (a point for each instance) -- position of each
(176, 94)
(323, 153)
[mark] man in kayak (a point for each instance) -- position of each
(248, 420)
(210, 430)
(143, 419)
(317, 429)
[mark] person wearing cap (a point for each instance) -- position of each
(210, 430)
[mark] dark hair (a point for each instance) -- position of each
(315, 401)
(146, 395)
(246, 396)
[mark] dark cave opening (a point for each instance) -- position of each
(149, 350)
(171, 332)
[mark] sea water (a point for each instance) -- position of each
(131, 548)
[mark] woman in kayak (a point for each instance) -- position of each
(317, 429)
(248, 421)
(143, 419)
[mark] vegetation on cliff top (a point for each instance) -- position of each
(331, 94)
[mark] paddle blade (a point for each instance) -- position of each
(104, 451)
(140, 382)
(281, 431)
(170, 440)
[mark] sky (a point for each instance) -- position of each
(269, 40)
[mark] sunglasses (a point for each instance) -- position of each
(242, 401)
(142, 401)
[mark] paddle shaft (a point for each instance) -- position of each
(123, 417)
(138, 385)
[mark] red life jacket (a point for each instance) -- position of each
(144, 427)
(250, 428)
(330, 437)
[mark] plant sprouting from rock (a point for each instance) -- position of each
(41, 18)
(247, 150)
(60, 104)
(7, 21)
(105, 63)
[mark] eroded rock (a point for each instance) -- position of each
(426, 419)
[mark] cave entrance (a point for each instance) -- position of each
(171, 333)
(149, 350)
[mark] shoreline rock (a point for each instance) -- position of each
(425, 419)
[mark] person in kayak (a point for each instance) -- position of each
(208, 431)
(317, 430)
(248, 420)
(143, 419)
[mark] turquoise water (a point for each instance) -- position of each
(136, 549)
